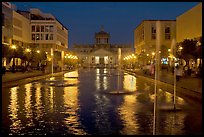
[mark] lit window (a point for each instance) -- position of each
(37, 36)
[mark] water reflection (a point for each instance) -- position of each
(28, 105)
(13, 108)
(105, 83)
(97, 82)
(171, 124)
(38, 101)
(84, 109)
(102, 121)
(71, 105)
(101, 81)
(51, 99)
(72, 74)
(127, 114)
(129, 83)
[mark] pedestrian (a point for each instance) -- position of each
(179, 72)
(185, 68)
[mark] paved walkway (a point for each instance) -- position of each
(9, 76)
(190, 83)
(12, 79)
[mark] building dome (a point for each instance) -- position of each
(102, 37)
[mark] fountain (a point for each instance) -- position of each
(166, 107)
(119, 91)
(61, 83)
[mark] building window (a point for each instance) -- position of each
(33, 36)
(42, 29)
(42, 37)
(46, 36)
(46, 28)
(167, 33)
(38, 28)
(51, 36)
(51, 28)
(37, 36)
(153, 32)
(33, 28)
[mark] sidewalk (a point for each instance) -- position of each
(13, 79)
(190, 83)
(9, 76)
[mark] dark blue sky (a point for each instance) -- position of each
(120, 19)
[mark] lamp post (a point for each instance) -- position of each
(28, 51)
(38, 67)
(13, 66)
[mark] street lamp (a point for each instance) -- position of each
(13, 47)
(169, 50)
(28, 50)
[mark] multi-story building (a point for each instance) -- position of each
(102, 53)
(34, 29)
(47, 32)
(7, 27)
(189, 26)
(145, 37)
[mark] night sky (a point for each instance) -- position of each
(119, 19)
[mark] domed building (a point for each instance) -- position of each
(101, 53)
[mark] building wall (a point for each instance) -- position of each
(143, 40)
(7, 23)
(56, 36)
(62, 35)
(189, 24)
(21, 28)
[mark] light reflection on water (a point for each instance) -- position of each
(28, 105)
(71, 105)
(13, 108)
(127, 113)
(129, 83)
(84, 109)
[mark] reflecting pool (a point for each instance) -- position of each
(82, 107)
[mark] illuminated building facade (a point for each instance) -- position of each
(34, 29)
(145, 37)
(189, 26)
(102, 53)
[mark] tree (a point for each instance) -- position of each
(185, 50)
(164, 51)
(198, 52)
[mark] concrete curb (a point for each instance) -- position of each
(27, 80)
